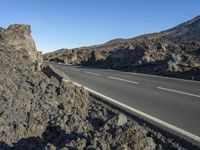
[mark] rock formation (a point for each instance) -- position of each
(30, 101)
(18, 36)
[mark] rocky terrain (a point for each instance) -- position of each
(41, 109)
(174, 52)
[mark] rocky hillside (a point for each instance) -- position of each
(41, 109)
(31, 101)
(174, 52)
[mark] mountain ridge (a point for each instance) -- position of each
(197, 18)
(156, 50)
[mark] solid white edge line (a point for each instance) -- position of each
(167, 125)
(176, 91)
(96, 74)
(122, 79)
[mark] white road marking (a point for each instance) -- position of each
(148, 75)
(161, 77)
(163, 123)
(180, 92)
(96, 74)
(74, 69)
(122, 79)
(111, 70)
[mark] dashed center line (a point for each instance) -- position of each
(180, 92)
(122, 80)
(74, 69)
(96, 74)
(111, 70)
(134, 82)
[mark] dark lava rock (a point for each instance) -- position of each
(30, 98)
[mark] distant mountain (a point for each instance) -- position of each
(173, 52)
(186, 32)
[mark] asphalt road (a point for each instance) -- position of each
(174, 101)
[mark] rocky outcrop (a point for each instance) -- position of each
(31, 100)
(174, 52)
(19, 37)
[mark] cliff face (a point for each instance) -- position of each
(174, 52)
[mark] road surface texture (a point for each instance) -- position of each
(174, 101)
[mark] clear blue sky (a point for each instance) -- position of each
(74, 23)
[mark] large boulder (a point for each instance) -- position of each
(50, 71)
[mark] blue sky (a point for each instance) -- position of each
(73, 23)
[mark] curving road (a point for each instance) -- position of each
(174, 101)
